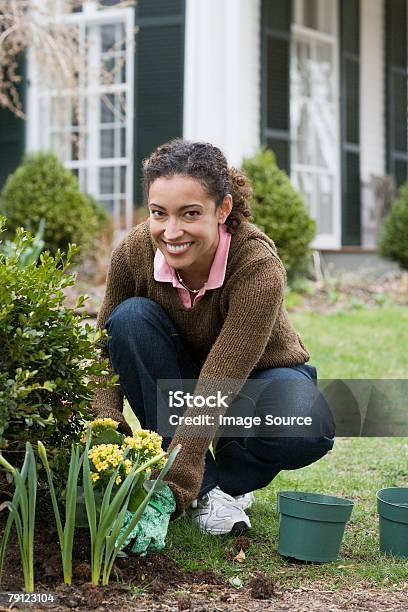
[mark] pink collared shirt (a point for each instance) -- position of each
(166, 274)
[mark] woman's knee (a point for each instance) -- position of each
(299, 452)
(293, 407)
(290, 453)
(135, 315)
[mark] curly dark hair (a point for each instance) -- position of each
(206, 163)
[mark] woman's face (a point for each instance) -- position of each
(184, 222)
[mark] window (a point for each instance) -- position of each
(316, 15)
(314, 114)
(91, 129)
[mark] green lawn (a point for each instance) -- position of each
(356, 344)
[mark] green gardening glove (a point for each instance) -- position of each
(150, 532)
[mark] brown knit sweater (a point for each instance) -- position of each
(233, 330)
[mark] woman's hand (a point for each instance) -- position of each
(150, 532)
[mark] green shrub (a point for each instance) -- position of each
(42, 188)
(393, 241)
(278, 210)
(48, 357)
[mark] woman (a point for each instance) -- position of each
(196, 292)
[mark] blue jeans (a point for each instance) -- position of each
(144, 346)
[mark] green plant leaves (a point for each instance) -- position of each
(43, 196)
(278, 210)
(393, 241)
(48, 357)
(107, 436)
(22, 510)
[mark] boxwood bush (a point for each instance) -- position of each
(393, 241)
(48, 357)
(279, 211)
(42, 188)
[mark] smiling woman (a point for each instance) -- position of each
(196, 292)
(186, 233)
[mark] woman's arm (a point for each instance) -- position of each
(119, 286)
(254, 300)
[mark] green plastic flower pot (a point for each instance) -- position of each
(392, 506)
(312, 525)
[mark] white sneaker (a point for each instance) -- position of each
(218, 513)
(245, 501)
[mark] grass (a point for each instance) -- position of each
(356, 344)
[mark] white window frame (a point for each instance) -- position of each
(311, 35)
(89, 16)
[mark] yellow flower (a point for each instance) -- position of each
(144, 441)
(118, 480)
(98, 425)
(105, 456)
(94, 477)
(162, 463)
(128, 466)
(104, 423)
(133, 443)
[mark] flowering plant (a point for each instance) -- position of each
(102, 428)
(115, 471)
(115, 495)
(111, 450)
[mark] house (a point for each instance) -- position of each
(321, 82)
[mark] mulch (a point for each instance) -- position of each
(352, 291)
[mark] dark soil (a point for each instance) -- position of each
(262, 587)
(153, 578)
(154, 573)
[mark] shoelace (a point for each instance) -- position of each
(217, 492)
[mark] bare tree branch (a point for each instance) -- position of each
(56, 45)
